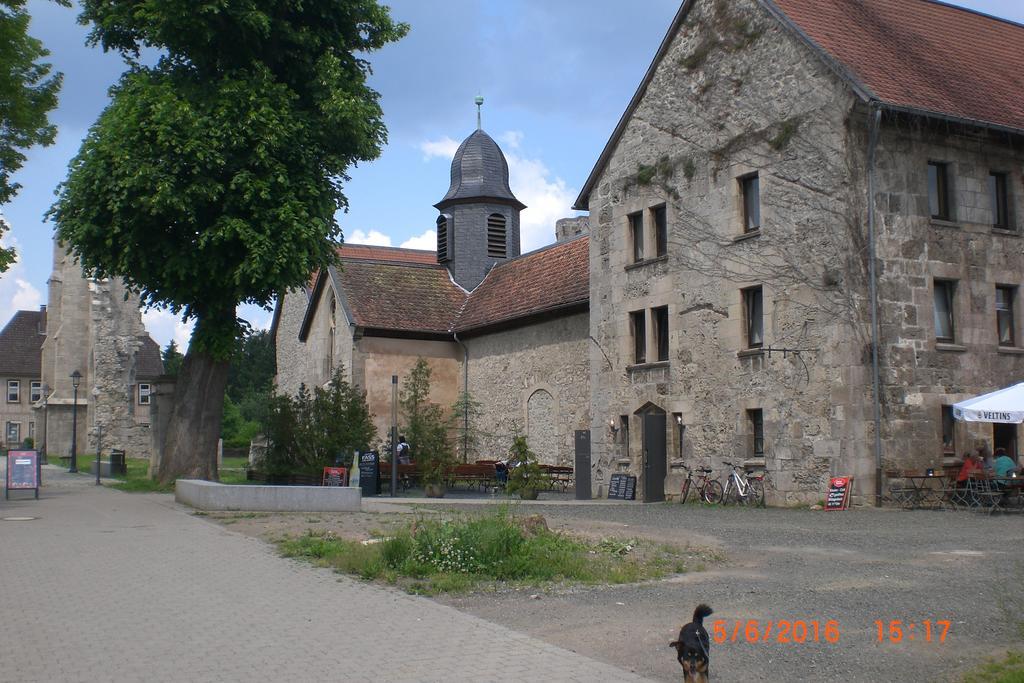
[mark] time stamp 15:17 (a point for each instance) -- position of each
(816, 631)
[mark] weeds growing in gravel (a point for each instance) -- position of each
(1008, 670)
(434, 556)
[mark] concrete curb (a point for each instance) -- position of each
(209, 495)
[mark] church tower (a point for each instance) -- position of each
(479, 222)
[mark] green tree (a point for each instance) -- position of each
(465, 414)
(28, 91)
(213, 178)
(425, 425)
(173, 359)
(252, 367)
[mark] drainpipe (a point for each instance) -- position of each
(874, 118)
(465, 394)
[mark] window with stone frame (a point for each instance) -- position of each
(1005, 327)
(35, 391)
(145, 392)
(638, 332)
(948, 431)
(750, 186)
(659, 318)
(940, 204)
(659, 214)
(636, 235)
(13, 391)
(13, 433)
(753, 316)
(755, 420)
(445, 248)
(999, 198)
(32, 430)
(497, 242)
(945, 306)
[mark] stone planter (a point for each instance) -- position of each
(434, 490)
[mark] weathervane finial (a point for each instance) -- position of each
(479, 103)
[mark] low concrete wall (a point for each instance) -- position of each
(209, 495)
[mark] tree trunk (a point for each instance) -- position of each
(190, 444)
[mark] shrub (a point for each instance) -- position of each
(527, 477)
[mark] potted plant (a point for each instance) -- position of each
(525, 476)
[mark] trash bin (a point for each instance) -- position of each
(117, 463)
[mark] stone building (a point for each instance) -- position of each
(509, 329)
(804, 246)
(788, 172)
(92, 327)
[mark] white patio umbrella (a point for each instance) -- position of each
(1005, 405)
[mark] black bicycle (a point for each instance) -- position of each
(708, 490)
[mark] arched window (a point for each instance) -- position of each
(496, 240)
(444, 238)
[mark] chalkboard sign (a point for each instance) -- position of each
(369, 473)
(622, 486)
(334, 476)
(838, 496)
(22, 472)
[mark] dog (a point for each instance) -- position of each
(692, 647)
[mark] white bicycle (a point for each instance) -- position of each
(741, 489)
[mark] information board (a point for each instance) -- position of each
(838, 496)
(22, 472)
(369, 473)
(334, 476)
(622, 487)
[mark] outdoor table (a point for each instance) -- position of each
(923, 491)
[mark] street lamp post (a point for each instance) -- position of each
(76, 379)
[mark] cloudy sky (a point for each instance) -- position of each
(556, 75)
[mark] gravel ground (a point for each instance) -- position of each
(855, 567)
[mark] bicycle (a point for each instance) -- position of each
(740, 488)
(709, 490)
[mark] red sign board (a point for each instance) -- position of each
(335, 476)
(838, 496)
(22, 471)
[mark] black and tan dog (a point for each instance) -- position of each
(692, 647)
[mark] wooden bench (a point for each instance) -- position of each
(560, 477)
(408, 475)
(484, 475)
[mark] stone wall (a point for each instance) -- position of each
(293, 358)
(735, 95)
(570, 228)
(920, 374)
(532, 380)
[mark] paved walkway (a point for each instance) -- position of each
(109, 586)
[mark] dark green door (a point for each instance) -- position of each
(654, 457)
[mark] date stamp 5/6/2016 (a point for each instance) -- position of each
(798, 631)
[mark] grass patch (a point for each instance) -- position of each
(138, 480)
(436, 556)
(1010, 669)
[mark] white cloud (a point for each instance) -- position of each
(444, 148)
(428, 241)
(373, 237)
(16, 292)
(163, 326)
(512, 138)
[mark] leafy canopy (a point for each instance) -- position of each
(27, 93)
(213, 177)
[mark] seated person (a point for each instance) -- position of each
(1004, 465)
(972, 465)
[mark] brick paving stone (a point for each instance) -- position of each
(105, 585)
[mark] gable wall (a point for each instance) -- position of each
(735, 94)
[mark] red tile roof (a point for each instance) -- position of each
(406, 297)
(21, 344)
(395, 254)
(403, 294)
(549, 279)
(922, 55)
